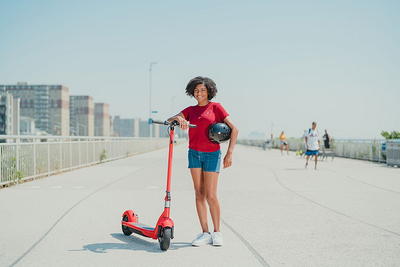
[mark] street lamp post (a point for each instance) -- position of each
(150, 85)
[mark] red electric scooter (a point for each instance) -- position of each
(164, 229)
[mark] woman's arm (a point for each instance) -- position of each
(232, 142)
(181, 119)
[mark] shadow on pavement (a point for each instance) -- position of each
(132, 243)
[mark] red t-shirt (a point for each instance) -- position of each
(203, 117)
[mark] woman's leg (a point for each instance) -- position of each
(198, 183)
(210, 185)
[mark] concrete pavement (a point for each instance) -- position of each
(275, 213)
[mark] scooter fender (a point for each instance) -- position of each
(166, 222)
(132, 217)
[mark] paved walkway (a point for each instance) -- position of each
(275, 213)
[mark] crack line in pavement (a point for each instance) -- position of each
(362, 182)
(66, 213)
(330, 209)
(376, 186)
(260, 259)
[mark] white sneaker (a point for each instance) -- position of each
(202, 239)
(217, 239)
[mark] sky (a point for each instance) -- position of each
(278, 65)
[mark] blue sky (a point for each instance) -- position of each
(284, 63)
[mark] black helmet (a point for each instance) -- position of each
(219, 132)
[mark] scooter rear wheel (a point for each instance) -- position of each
(165, 238)
(125, 229)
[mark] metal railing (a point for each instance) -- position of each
(364, 149)
(393, 152)
(28, 157)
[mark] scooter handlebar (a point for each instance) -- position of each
(173, 123)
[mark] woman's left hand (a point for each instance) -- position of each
(228, 160)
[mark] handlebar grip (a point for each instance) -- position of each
(173, 123)
(160, 122)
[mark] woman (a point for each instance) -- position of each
(284, 143)
(204, 155)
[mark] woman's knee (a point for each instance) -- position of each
(200, 196)
(212, 198)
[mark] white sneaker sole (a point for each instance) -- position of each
(194, 244)
(199, 245)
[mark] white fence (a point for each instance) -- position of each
(393, 152)
(368, 149)
(27, 157)
(372, 150)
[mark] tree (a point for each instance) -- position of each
(391, 135)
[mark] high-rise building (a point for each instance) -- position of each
(59, 110)
(144, 130)
(124, 127)
(140, 128)
(16, 116)
(27, 126)
(9, 114)
(6, 118)
(81, 115)
(41, 99)
(136, 129)
(101, 119)
(46, 104)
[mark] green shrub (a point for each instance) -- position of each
(103, 155)
(391, 135)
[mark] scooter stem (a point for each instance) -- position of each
(169, 173)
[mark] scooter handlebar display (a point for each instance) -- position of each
(173, 123)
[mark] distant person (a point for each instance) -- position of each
(326, 139)
(269, 142)
(266, 143)
(284, 144)
(312, 141)
(304, 148)
(272, 141)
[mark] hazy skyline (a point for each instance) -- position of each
(275, 63)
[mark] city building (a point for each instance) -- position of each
(27, 126)
(81, 115)
(16, 115)
(59, 110)
(6, 114)
(46, 104)
(125, 127)
(101, 119)
(144, 130)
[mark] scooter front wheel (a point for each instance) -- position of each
(165, 238)
(125, 229)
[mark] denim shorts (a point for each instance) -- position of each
(312, 152)
(208, 161)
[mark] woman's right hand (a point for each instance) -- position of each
(183, 124)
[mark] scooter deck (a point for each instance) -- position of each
(141, 225)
